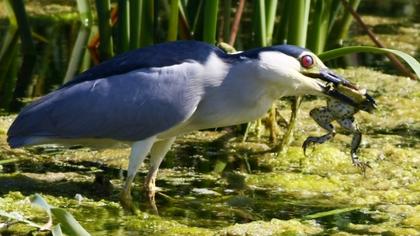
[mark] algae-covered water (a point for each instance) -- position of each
(258, 193)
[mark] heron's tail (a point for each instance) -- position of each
(31, 124)
(16, 142)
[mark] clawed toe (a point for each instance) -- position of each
(308, 142)
(127, 203)
(362, 165)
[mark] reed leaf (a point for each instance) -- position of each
(68, 223)
(339, 52)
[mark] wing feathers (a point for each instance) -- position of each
(126, 107)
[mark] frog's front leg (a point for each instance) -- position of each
(350, 125)
(323, 118)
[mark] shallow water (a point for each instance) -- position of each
(281, 194)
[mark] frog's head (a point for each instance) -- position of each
(368, 104)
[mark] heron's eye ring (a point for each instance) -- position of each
(307, 61)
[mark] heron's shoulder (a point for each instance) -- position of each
(159, 55)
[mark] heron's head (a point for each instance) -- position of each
(300, 72)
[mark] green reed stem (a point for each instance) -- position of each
(211, 8)
(24, 79)
(82, 38)
(136, 12)
(123, 30)
(103, 9)
(271, 9)
(320, 25)
(173, 21)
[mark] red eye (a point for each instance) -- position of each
(307, 61)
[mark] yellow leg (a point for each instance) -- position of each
(139, 151)
(157, 154)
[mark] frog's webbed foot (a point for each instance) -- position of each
(359, 164)
(316, 140)
(351, 125)
(323, 118)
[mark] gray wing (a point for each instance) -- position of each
(129, 107)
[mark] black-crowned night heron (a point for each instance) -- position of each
(147, 97)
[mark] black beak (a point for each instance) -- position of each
(330, 77)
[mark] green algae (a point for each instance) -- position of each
(48, 11)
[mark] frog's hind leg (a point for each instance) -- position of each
(323, 118)
(351, 125)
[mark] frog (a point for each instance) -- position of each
(343, 113)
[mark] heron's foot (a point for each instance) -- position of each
(150, 188)
(127, 201)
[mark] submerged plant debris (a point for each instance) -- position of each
(258, 193)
